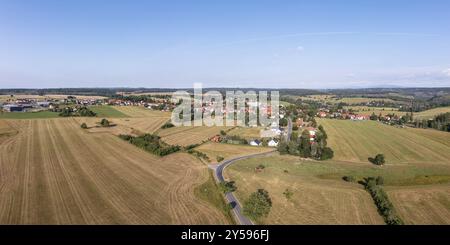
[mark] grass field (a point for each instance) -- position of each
(422, 204)
(429, 114)
(357, 140)
(62, 174)
(132, 126)
(228, 151)
(107, 111)
(366, 110)
(4, 98)
(28, 115)
(247, 132)
(359, 100)
(314, 201)
(184, 136)
(137, 111)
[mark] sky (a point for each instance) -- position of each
(270, 44)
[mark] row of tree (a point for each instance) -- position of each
(77, 112)
(151, 143)
(439, 122)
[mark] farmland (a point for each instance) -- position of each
(416, 176)
(356, 141)
(28, 115)
(428, 114)
(248, 133)
(366, 110)
(228, 151)
(422, 204)
(139, 112)
(107, 111)
(314, 201)
(65, 175)
(186, 135)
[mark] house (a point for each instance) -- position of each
(322, 114)
(216, 139)
(361, 117)
(312, 133)
(255, 142)
(273, 143)
(12, 108)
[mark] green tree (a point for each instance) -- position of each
(258, 205)
(378, 160)
(283, 147)
(227, 186)
(104, 123)
(84, 126)
(219, 158)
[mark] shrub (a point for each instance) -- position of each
(288, 194)
(227, 186)
(378, 160)
(84, 126)
(167, 125)
(105, 123)
(349, 178)
(219, 158)
(379, 180)
(223, 133)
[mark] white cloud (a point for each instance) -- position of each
(446, 72)
(300, 48)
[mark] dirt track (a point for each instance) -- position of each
(53, 172)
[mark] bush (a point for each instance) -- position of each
(223, 133)
(258, 205)
(105, 123)
(167, 125)
(327, 153)
(379, 180)
(227, 186)
(288, 194)
(219, 158)
(378, 160)
(349, 178)
(84, 126)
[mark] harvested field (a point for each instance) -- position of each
(422, 205)
(62, 174)
(137, 111)
(132, 126)
(229, 151)
(429, 114)
(314, 200)
(358, 140)
(184, 136)
(366, 110)
(247, 132)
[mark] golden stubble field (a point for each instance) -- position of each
(53, 172)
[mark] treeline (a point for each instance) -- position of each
(439, 122)
(308, 146)
(381, 199)
(76, 112)
(151, 143)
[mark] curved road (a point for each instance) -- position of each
(218, 173)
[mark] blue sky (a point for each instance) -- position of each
(273, 44)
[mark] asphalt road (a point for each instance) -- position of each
(218, 173)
